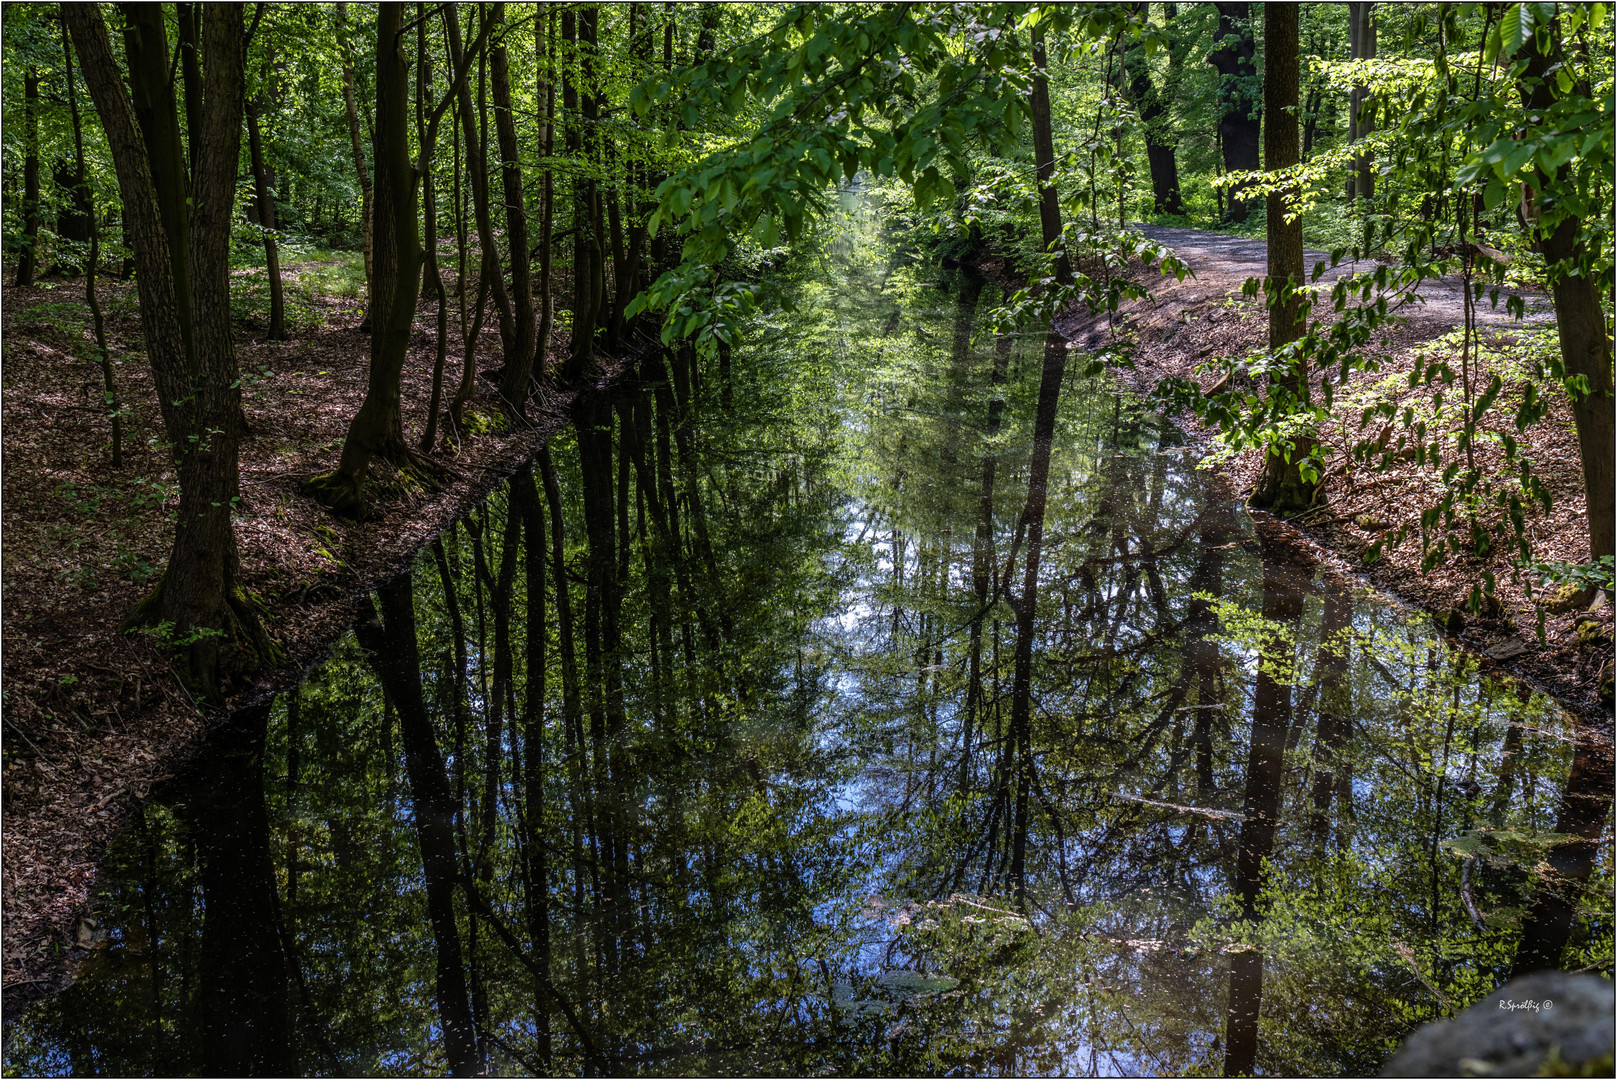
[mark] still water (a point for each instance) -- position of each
(883, 696)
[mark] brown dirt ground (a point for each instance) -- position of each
(92, 717)
(1186, 324)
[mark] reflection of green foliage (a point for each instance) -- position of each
(816, 875)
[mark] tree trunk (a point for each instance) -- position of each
(1581, 324)
(547, 198)
(520, 346)
(1240, 115)
(1361, 46)
(580, 100)
(263, 184)
(361, 170)
(432, 275)
(377, 429)
(1055, 368)
(1160, 143)
(98, 324)
(1283, 488)
(1044, 161)
(27, 262)
(181, 240)
(245, 994)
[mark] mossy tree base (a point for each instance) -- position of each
(213, 646)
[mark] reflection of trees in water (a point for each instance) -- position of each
(659, 812)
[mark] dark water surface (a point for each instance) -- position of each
(803, 769)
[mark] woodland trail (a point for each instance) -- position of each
(1221, 263)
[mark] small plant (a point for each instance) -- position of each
(165, 636)
(133, 567)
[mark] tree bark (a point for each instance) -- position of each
(361, 170)
(1361, 46)
(1240, 115)
(432, 275)
(263, 191)
(1044, 161)
(520, 346)
(1160, 142)
(181, 240)
(27, 262)
(377, 429)
(1271, 720)
(1582, 326)
(109, 387)
(1283, 488)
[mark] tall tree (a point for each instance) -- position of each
(180, 234)
(264, 200)
(519, 350)
(1160, 141)
(1240, 112)
(357, 144)
(98, 324)
(1044, 159)
(1579, 283)
(377, 430)
(27, 261)
(1285, 487)
(1361, 46)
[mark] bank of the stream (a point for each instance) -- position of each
(94, 718)
(1184, 327)
(730, 739)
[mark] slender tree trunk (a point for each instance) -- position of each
(1044, 161)
(1239, 107)
(536, 872)
(432, 275)
(1283, 488)
(109, 388)
(377, 429)
(547, 198)
(1271, 720)
(27, 261)
(1055, 368)
(519, 351)
(1361, 46)
(245, 999)
(357, 143)
(477, 173)
(263, 184)
(181, 237)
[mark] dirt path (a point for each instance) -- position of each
(1186, 324)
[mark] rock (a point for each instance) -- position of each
(1369, 522)
(1547, 1023)
(1591, 630)
(1571, 597)
(1506, 650)
(1451, 622)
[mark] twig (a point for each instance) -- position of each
(1228, 815)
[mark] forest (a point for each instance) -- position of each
(865, 538)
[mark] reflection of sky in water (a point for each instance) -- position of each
(859, 799)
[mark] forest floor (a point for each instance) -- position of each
(93, 718)
(1186, 324)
